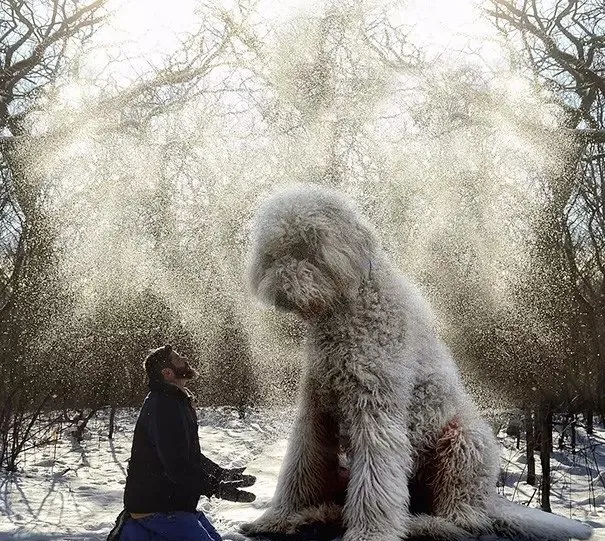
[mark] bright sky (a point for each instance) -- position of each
(139, 33)
(151, 25)
(453, 24)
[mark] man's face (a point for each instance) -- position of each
(178, 370)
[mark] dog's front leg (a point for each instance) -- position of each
(309, 470)
(376, 507)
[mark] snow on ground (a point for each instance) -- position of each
(67, 491)
(578, 479)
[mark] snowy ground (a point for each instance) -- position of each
(73, 492)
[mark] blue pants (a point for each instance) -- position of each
(176, 526)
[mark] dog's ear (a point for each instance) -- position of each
(341, 264)
(345, 257)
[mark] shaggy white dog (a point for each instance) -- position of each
(378, 383)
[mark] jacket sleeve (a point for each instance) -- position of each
(172, 440)
(211, 468)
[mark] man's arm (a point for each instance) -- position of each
(170, 436)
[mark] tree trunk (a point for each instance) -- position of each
(81, 423)
(589, 421)
(530, 445)
(545, 421)
(112, 417)
(573, 434)
(569, 419)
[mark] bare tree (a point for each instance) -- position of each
(33, 44)
(563, 44)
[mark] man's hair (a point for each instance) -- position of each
(155, 361)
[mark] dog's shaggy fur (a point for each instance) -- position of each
(379, 383)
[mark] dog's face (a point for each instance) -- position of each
(310, 251)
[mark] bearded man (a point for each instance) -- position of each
(167, 472)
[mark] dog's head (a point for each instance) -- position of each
(310, 250)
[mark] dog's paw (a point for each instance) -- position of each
(325, 513)
(436, 528)
(270, 522)
(233, 536)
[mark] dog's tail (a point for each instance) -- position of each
(505, 519)
(514, 520)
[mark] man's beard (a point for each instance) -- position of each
(183, 372)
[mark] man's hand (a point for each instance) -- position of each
(228, 490)
(236, 474)
(231, 481)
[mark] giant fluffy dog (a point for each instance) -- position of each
(379, 383)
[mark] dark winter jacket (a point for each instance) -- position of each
(167, 471)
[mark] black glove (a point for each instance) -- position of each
(229, 483)
(236, 474)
